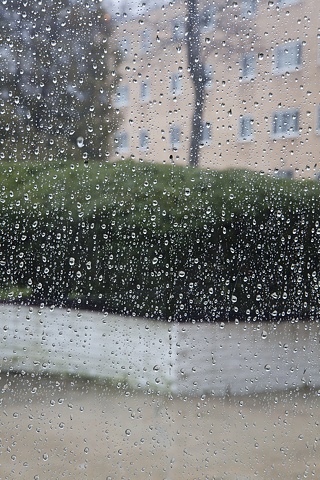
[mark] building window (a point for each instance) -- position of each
(249, 8)
(124, 46)
(318, 120)
(285, 123)
(206, 134)
(208, 73)
(246, 128)
(143, 139)
(145, 90)
(178, 29)
(283, 173)
(207, 18)
(248, 66)
(145, 41)
(284, 3)
(122, 96)
(175, 136)
(287, 57)
(121, 141)
(176, 84)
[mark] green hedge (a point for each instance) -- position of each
(161, 241)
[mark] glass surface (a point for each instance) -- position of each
(159, 241)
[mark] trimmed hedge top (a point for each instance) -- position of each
(149, 194)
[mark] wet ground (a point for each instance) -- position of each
(55, 428)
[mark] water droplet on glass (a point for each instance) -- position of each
(80, 142)
(264, 334)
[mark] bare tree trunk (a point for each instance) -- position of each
(198, 78)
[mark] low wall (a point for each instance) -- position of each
(179, 358)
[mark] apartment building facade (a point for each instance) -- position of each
(262, 98)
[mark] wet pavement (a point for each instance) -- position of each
(70, 428)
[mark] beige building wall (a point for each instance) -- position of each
(262, 103)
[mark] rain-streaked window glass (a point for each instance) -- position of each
(246, 128)
(248, 66)
(288, 57)
(285, 123)
(159, 240)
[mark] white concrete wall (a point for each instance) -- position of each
(181, 358)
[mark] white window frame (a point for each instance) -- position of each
(285, 123)
(143, 139)
(175, 84)
(248, 66)
(287, 57)
(145, 90)
(175, 134)
(206, 134)
(249, 8)
(246, 129)
(121, 140)
(122, 96)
